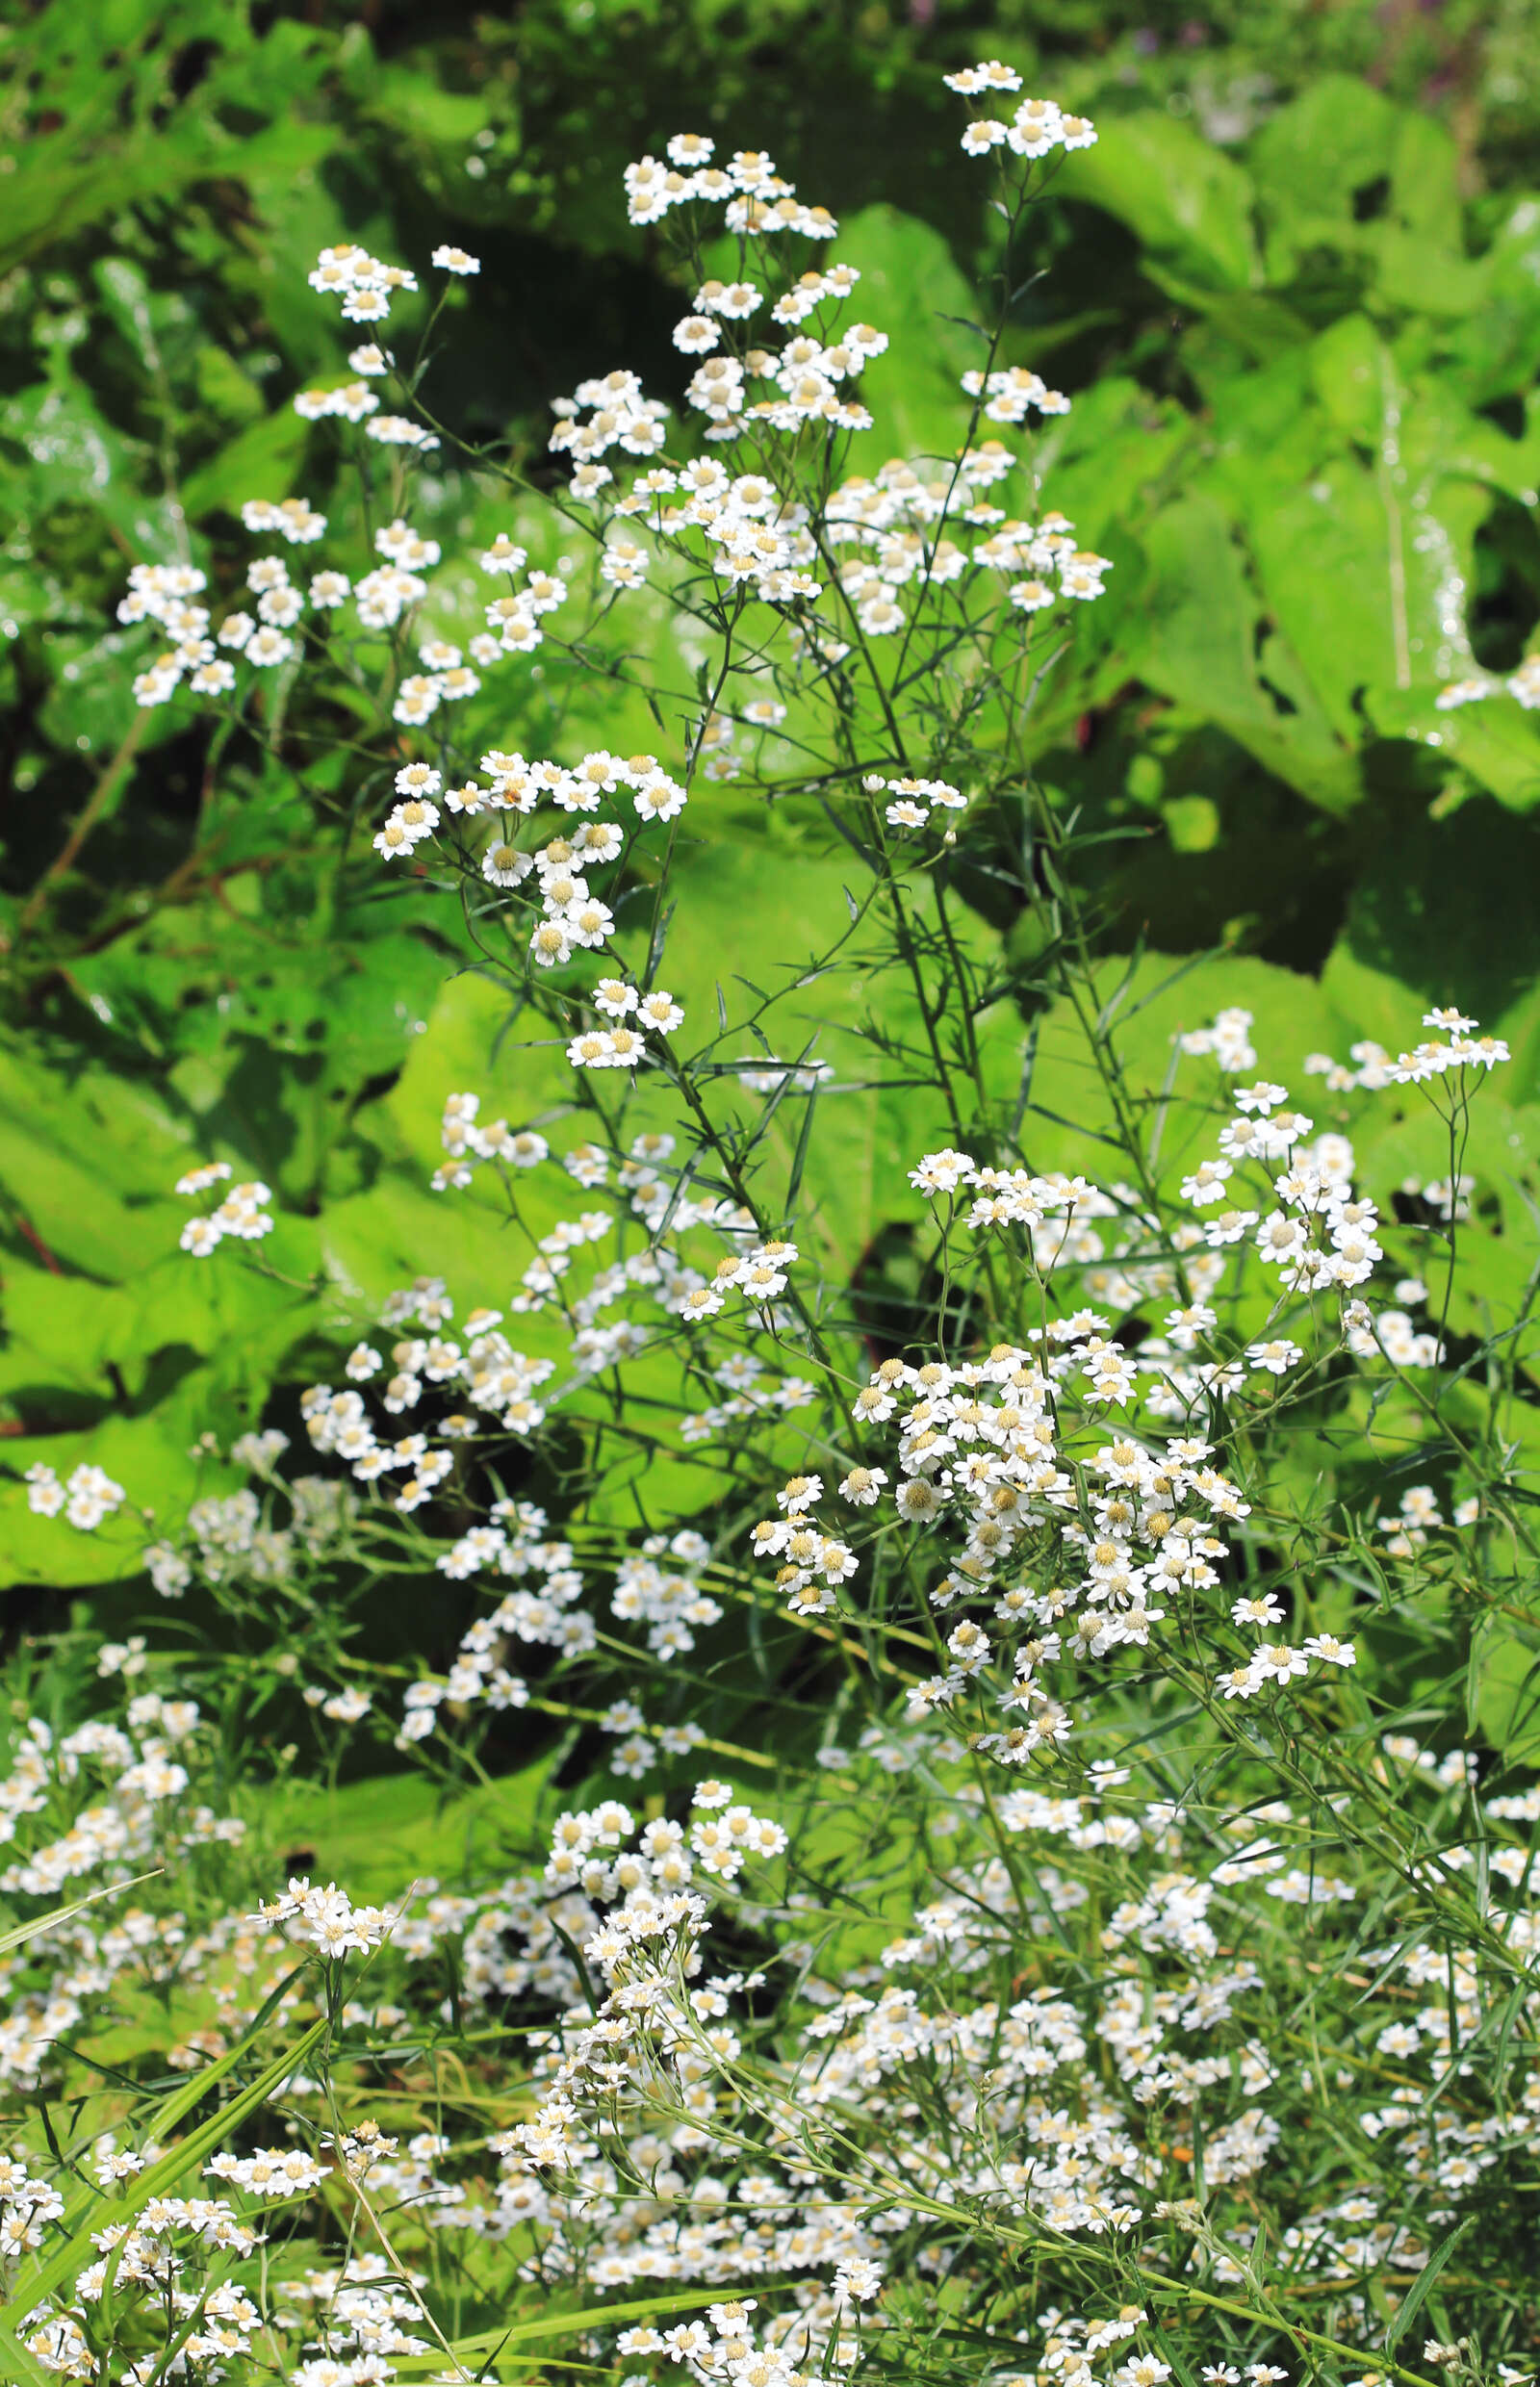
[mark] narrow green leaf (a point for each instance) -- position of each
(18, 1936)
(1416, 2296)
(162, 2177)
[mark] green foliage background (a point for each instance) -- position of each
(1294, 293)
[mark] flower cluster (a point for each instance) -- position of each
(242, 1214)
(1061, 2028)
(272, 2172)
(1462, 1047)
(328, 1920)
(568, 916)
(759, 202)
(85, 1500)
(1036, 128)
(894, 518)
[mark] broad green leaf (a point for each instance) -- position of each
(1185, 200)
(480, 1037)
(1151, 1001)
(1312, 158)
(1495, 740)
(261, 462)
(118, 137)
(1260, 325)
(1507, 1693)
(151, 1456)
(418, 105)
(270, 1019)
(69, 454)
(1267, 432)
(377, 1835)
(875, 1117)
(1496, 349)
(1113, 456)
(90, 708)
(1346, 367)
(230, 394)
(1200, 648)
(1448, 912)
(1360, 568)
(88, 1164)
(1424, 182)
(1430, 282)
(1342, 169)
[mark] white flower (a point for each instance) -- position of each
(1334, 1653)
(660, 1012)
(941, 1172)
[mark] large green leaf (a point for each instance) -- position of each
(814, 983)
(119, 134)
(1360, 579)
(1449, 911)
(260, 462)
(154, 1459)
(1507, 1683)
(87, 1160)
(1495, 740)
(1496, 349)
(1199, 647)
(1341, 172)
(269, 1018)
(378, 1835)
(1185, 200)
(1148, 1003)
(62, 450)
(1312, 158)
(1365, 565)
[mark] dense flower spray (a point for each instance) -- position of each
(1073, 1955)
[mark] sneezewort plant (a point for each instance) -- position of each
(1113, 1972)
